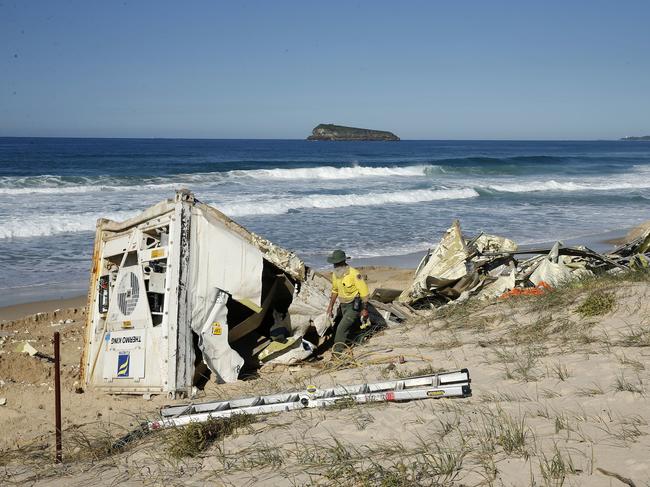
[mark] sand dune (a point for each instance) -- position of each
(560, 388)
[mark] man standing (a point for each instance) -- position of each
(352, 292)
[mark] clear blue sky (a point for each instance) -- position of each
(274, 69)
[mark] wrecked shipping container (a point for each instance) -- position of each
(181, 291)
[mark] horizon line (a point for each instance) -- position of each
(620, 139)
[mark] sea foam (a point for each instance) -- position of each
(284, 205)
(43, 225)
(330, 172)
(51, 184)
(553, 185)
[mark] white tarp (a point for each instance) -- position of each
(551, 273)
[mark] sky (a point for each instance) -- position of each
(275, 69)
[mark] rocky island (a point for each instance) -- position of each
(328, 131)
(643, 137)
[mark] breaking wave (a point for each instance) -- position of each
(470, 167)
(36, 226)
(43, 225)
(331, 172)
(552, 185)
(285, 205)
(52, 224)
(51, 184)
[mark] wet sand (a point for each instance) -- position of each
(16, 311)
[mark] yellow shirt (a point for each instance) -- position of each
(349, 286)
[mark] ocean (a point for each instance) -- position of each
(369, 198)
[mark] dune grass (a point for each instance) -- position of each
(193, 439)
(597, 303)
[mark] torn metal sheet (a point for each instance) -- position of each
(497, 287)
(234, 263)
(492, 243)
(488, 266)
(551, 273)
(445, 264)
(213, 340)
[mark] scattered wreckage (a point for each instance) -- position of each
(181, 292)
(488, 267)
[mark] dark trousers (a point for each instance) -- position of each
(347, 328)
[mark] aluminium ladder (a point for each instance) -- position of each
(446, 384)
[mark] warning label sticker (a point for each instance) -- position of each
(157, 253)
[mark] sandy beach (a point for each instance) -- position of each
(559, 398)
(325, 244)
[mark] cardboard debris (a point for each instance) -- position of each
(293, 350)
(25, 347)
(488, 266)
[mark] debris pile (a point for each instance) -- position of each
(488, 266)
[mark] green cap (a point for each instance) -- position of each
(337, 257)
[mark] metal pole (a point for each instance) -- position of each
(57, 397)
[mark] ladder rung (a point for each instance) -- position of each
(309, 401)
(444, 379)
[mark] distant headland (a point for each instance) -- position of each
(643, 137)
(328, 131)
